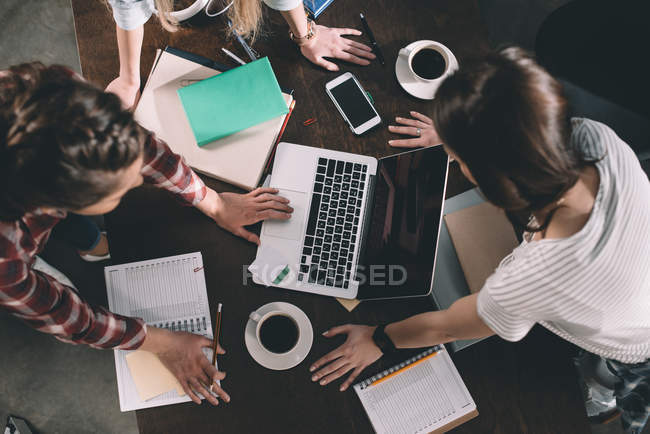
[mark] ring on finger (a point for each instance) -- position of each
(418, 132)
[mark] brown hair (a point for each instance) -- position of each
(62, 140)
(508, 119)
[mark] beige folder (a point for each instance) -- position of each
(482, 236)
(238, 159)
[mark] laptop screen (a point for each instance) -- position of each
(401, 233)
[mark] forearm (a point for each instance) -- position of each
(52, 307)
(460, 321)
(297, 20)
(129, 44)
(211, 203)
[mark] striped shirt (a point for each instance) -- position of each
(592, 288)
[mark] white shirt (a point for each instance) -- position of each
(130, 14)
(592, 288)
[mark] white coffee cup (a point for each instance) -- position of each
(408, 53)
(260, 319)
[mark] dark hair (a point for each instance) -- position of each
(508, 119)
(62, 140)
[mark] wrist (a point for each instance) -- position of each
(306, 37)
(212, 204)
(382, 340)
(132, 80)
(155, 340)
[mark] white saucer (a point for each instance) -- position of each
(286, 360)
(416, 86)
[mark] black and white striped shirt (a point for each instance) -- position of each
(592, 288)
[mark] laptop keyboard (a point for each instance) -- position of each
(333, 225)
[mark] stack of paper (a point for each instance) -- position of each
(166, 293)
(482, 237)
(238, 159)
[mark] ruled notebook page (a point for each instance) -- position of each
(167, 293)
(426, 396)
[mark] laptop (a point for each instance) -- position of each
(362, 227)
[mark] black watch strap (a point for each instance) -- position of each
(382, 340)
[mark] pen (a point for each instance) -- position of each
(215, 343)
(232, 56)
(373, 41)
(243, 43)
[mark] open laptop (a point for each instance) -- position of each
(361, 227)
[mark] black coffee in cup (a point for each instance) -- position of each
(428, 63)
(279, 333)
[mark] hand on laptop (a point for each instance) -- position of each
(182, 354)
(233, 211)
(427, 133)
(330, 43)
(358, 351)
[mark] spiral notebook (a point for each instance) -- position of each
(423, 394)
(167, 293)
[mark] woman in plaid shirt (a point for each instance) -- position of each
(66, 146)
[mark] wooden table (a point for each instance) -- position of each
(523, 387)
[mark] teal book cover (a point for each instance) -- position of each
(232, 101)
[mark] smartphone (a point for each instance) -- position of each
(353, 103)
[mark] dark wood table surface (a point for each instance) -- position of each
(528, 386)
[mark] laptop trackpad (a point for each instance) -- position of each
(291, 229)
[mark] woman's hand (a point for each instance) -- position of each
(427, 137)
(233, 211)
(331, 43)
(358, 351)
(127, 90)
(182, 354)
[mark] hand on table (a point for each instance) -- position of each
(128, 91)
(233, 211)
(330, 43)
(427, 137)
(358, 351)
(182, 354)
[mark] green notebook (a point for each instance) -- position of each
(232, 101)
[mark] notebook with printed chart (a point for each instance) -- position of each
(423, 394)
(168, 293)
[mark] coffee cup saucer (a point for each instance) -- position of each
(415, 86)
(292, 357)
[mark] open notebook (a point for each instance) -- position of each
(421, 395)
(168, 293)
(238, 159)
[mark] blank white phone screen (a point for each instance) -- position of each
(353, 103)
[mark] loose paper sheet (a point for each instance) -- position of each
(349, 304)
(268, 265)
(482, 237)
(151, 377)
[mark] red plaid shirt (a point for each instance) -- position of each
(52, 307)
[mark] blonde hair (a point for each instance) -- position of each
(246, 16)
(164, 7)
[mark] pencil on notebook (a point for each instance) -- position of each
(403, 369)
(215, 343)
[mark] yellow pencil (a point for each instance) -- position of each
(215, 343)
(403, 369)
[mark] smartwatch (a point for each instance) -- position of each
(382, 340)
